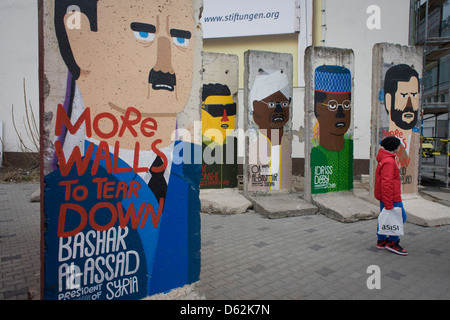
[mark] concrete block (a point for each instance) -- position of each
(268, 127)
(344, 206)
(188, 292)
(282, 205)
(329, 74)
(36, 196)
(365, 178)
(116, 114)
(222, 68)
(267, 121)
(219, 120)
(394, 66)
(225, 201)
(425, 212)
(396, 72)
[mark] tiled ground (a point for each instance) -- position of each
(246, 256)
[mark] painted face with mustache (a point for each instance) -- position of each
(404, 106)
(141, 56)
(272, 112)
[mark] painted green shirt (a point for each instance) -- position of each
(332, 170)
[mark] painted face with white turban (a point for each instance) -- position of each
(270, 100)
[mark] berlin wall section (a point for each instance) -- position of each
(121, 87)
(328, 120)
(397, 88)
(267, 121)
(268, 136)
(219, 120)
(396, 106)
(329, 108)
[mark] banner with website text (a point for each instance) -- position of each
(236, 18)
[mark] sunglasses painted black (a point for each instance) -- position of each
(216, 110)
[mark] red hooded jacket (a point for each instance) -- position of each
(387, 179)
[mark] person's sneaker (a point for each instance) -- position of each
(381, 244)
(396, 248)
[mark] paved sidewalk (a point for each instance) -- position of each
(247, 256)
(313, 257)
(19, 242)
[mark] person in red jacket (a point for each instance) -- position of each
(388, 189)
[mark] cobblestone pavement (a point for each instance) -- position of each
(247, 256)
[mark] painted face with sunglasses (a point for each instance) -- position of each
(218, 115)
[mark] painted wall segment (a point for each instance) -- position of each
(121, 187)
(396, 106)
(332, 154)
(329, 120)
(269, 121)
(219, 116)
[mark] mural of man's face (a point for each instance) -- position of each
(218, 115)
(141, 56)
(404, 112)
(272, 112)
(334, 113)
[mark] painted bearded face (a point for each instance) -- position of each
(404, 112)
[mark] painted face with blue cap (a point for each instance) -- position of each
(332, 105)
